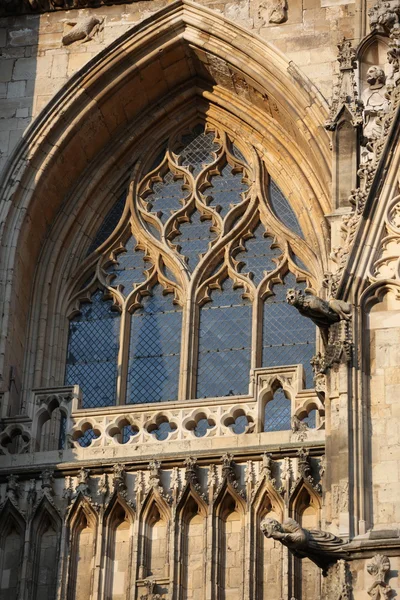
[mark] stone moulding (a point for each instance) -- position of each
(20, 7)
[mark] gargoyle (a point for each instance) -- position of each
(321, 312)
(82, 30)
(323, 548)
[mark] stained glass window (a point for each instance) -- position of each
(288, 338)
(154, 352)
(93, 350)
(224, 344)
(195, 206)
(282, 208)
(277, 413)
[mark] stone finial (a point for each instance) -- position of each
(12, 489)
(83, 482)
(31, 493)
(47, 481)
(345, 92)
(379, 568)
(191, 470)
(68, 489)
(118, 478)
(228, 471)
(154, 468)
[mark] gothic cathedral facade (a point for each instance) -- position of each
(199, 299)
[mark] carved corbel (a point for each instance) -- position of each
(379, 568)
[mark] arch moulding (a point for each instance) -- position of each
(184, 60)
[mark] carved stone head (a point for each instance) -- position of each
(294, 297)
(270, 526)
(376, 76)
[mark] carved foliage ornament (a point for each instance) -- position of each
(345, 92)
(379, 568)
(384, 17)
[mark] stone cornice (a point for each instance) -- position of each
(37, 7)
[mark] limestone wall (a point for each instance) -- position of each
(36, 64)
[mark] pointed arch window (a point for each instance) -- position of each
(185, 292)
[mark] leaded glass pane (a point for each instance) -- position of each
(130, 267)
(258, 256)
(311, 419)
(154, 352)
(224, 344)
(63, 432)
(282, 209)
(240, 424)
(288, 337)
(93, 350)
(278, 413)
(166, 197)
(194, 238)
(109, 223)
(227, 189)
(86, 439)
(202, 427)
(198, 149)
(163, 430)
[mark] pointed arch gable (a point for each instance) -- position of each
(82, 506)
(117, 500)
(266, 489)
(188, 492)
(153, 496)
(80, 144)
(10, 512)
(297, 501)
(227, 490)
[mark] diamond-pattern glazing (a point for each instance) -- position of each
(202, 427)
(130, 267)
(155, 347)
(311, 419)
(63, 432)
(282, 209)
(198, 149)
(163, 430)
(86, 439)
(93, 350)
(277, 416)
(109, 224)
(227, 189)
(240, 424)
(288, 337)
(257, 258)
(167, 196)
(224, 344)
(194, 238)
(127, 432)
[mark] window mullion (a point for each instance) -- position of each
(187, 384)
(123, 355)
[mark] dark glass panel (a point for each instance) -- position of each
(93, 351)
(224, 344)
(154, 353)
